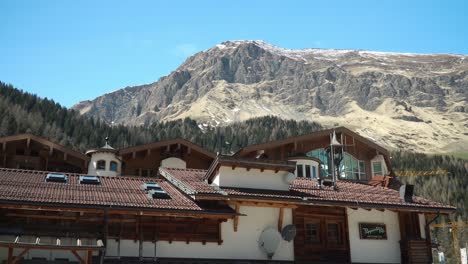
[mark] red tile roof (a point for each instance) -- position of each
(304, 190)
(192, 179)
(30, 187)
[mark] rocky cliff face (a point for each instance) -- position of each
(412, 101)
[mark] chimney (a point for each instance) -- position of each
(406, 193)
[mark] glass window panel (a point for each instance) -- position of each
(101, 165)
(312, 233)
(299, 171)
(113, 166)
(322, 155)
(307, 171)
(377, 168)
(333, 233)
(314, 172)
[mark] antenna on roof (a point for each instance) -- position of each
(336, 156)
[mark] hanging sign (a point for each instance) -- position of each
(372, 231)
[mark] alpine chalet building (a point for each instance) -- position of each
(325, 197)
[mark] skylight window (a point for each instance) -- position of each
(150, 186)
(155, 191)
(88, 179)
(56, 177)
(158, 194)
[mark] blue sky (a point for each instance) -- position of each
(76, 50)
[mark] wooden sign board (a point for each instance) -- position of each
(372, 231)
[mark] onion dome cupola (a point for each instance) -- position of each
(104, 161)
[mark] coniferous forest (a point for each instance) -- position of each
(22, 112)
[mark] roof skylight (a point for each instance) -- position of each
(56, 177)
(155, 191)
(88, 179)
(150, 186)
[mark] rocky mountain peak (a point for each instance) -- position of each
(415, 101)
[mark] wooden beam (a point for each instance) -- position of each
(18, 258)
(262, 204)
(89, 257)
(280, 219)
(77, 256)
(236, 218)
(10, 255)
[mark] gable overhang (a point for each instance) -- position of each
(168, 142)
(233, 163)
(44, 141)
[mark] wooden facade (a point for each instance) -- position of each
(322, 235)
(26, 151)
(144, 160)
(414, 249)
(289, 148)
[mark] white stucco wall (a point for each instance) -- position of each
(173, 163)
(253, 178)
(108, 157)
(374, 251)
(242, 244)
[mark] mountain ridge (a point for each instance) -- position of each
(403, 100)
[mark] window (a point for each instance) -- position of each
(322, 155)
(88, 179)
(312, 232)
(151, 186)
(306, 168)
(307, 171)
(101, 165)
(377, 168)
(334, 233)
(299, 170)
(155, 191)
(56, 177)
(114, 166)
(352, 168)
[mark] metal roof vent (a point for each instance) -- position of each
(88, 179)
(56, 177)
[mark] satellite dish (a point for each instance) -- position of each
(289, 232)
(289, 178)
(269, 241)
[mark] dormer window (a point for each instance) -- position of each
(306, 168)
(114, 166)
(101, 165)
(377, 168)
